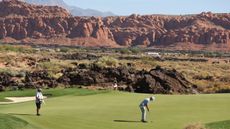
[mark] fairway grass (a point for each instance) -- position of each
(118, 110)
(11, 122)
(219, 125)
(49, 92)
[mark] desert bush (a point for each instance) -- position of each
(213, 54)
(65, 49)
(125, 51)
(50, 66)
(195, 126)
(54, 75)
(10, 72)
(14, 48)
(135, 50)
(148, 60)
(222, 89)
(107, 61)
(206, 77)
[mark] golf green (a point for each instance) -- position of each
(118, 110)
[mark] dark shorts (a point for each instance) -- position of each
(38, 105)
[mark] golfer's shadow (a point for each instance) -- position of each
(128, 121)
(20, 114)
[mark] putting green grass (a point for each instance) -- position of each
(117, 110)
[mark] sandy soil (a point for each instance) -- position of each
(18, 99)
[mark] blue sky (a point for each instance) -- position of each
(126, 7)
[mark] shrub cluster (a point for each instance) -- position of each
(106, 61)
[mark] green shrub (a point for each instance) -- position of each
(15, 48)
(10, 72)
(125, 51)
(148, 60)
(107, 61)
(50, 66)
(55, 75)
(135, 50)
(65, 49)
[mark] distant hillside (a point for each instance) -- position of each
(23, 22)
(75, 11)
(16, 8)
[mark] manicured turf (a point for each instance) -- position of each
(116, 110)
(49, 92)
(11, 122)
(219, 125)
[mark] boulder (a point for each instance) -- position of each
(157, 80)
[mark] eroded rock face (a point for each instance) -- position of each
(19, 20)
(46, 24)
(37, 27)
(205, 28)
(15, 8)
(157, 80)
(39, 79)
(92, 27)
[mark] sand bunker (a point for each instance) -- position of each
(18, 99)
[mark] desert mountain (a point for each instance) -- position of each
(16, 8)
(75, 11)
(22, 22)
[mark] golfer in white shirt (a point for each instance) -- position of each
(38, 100)
(144, 106)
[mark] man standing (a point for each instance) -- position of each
(144, 106)
(38, 100)
(115, 86)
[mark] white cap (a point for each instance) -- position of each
(153, 98)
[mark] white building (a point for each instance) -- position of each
(153, 54)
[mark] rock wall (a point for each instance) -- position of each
(205, 28)
(15, 8)
(157, 80)
(30, 23)
(40, 27)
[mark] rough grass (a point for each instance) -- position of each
(120, 110)
(16, 48)
(11, 122)
(219, 125)
(50, 92)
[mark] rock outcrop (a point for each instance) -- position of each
(51, 25)
(157, 80)
(15, 8)
(153, 30)
(22, 22)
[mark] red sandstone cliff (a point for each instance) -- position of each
(15, 8)
(21, 22)
(153, 30)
